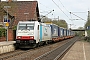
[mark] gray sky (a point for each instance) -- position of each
(62, 8)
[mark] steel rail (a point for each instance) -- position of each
(58, 52)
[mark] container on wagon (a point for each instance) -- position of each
(64, 30)
(54, 31)
(60, 33)
(45, 32)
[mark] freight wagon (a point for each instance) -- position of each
(54, 32)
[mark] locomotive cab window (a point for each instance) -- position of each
(23, 26)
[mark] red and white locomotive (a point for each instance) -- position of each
(32, 33)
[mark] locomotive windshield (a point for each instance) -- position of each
(26, 26)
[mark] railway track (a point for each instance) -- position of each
(11, 54)
(58, 52)
(39, 53)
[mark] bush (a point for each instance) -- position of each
(87, 38)
(2, 32)
(15, 27)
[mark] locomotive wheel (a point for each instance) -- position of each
(34, 45)
(46, 42)
(16, 46)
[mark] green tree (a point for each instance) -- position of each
(61, 23)
(80, 33)
(88, 23)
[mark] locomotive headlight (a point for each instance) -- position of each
(32, 37)
(19, 37)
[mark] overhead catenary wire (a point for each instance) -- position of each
(66, 10)
(45, 6)
(63, 5)
(73, 13)
(48, 11)
(62, 10)
(59, 8)
(71, 18)
(77, 16)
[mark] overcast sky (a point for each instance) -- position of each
(62, 8)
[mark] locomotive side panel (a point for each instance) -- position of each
(36, 32)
